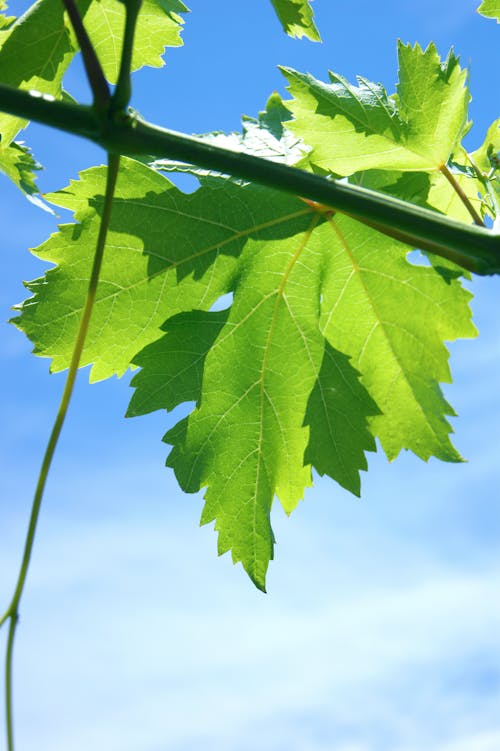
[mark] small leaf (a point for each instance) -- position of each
(296, 17)
(354, 128)
(487, 156)
(490, 9)
(487, 160)
(5, 21)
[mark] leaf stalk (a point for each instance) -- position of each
(93, 69)
(123, 90)
(476, 218)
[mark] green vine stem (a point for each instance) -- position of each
(474, 248)
(12, 612)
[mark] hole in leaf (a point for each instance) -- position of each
(417, 258)
(184, 181)
(223, 302)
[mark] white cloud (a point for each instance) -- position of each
(488, 741)
(128, 641)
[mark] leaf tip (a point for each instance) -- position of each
(258, 582)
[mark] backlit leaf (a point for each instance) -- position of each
(354, 128)
(491, 9)
(332, 337)
(297, 18)
(392, 318)
(34, 54)
(18, 164)
(5, 20)
(37, 49)
(159, 26)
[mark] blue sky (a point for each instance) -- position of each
(380, 629)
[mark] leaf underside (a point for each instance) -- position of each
(333, 337)
(354, 128)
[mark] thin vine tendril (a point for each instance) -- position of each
(12, 613)
(102, 102)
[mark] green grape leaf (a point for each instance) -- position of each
(159, 26)
(490, 9)
(34, 54)
(296, 17)
(333, 337)
(487, 156)
(166, 252)
(37, 49)
(354, 128)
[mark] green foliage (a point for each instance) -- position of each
(296, 17)
(491, 9)
(309, 310)
(18, 164)
(316, 297)
(34, 54)
(265, 136)
(5, 21)
(159, 26)
(295, 336)
(36, 50)
(487, 161)
(333, 336)
(354, 128)
(487, 155)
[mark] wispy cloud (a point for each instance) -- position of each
(128, 642)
